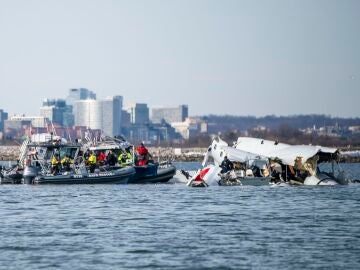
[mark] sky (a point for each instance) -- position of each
(237, 57)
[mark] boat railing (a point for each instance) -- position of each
(23, 151)
(106, 143)
(79, 167)
(45, 166)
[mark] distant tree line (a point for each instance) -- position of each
(218, 123)
(284, 134)
(284, 129)
(291, 135)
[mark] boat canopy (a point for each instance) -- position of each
(104, 147)
(109, 143)
(46, 137)
(285, 153)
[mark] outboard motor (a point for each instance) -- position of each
(30, 173)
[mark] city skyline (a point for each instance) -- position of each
(233, 57)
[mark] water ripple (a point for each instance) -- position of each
(173, 226)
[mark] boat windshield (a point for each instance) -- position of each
(68, 151)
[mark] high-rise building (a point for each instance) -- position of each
(170, 114)
(139, 113)
(100, 114)
(57, 111)
(111, 115)
(3, 117)
(87, 113)
(125, 119)
(77, 94)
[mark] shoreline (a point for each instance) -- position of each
(192, 154)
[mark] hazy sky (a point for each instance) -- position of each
(221, 57)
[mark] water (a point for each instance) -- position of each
(7, 164)
(171, 226)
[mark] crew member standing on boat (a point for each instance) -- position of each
(86, 154)
(101, 158)
(111, 158)
(143, 154)
(66, 162)
(125, 158)
(226, 165)
(55, 163)
(92, 162)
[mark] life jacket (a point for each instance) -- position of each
(125, 159)
(92, 159)
(66, 161)
(101, 157)
(55, 161)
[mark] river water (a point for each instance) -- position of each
(171, 226)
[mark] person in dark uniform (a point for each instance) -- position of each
(111, 158)
(226, 165)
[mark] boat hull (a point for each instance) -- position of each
(148, 175)
(121, 176)
(11, 178)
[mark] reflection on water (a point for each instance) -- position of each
(171, 226)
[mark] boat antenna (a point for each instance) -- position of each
(47, 125)
(53, 128)
(68, 132)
